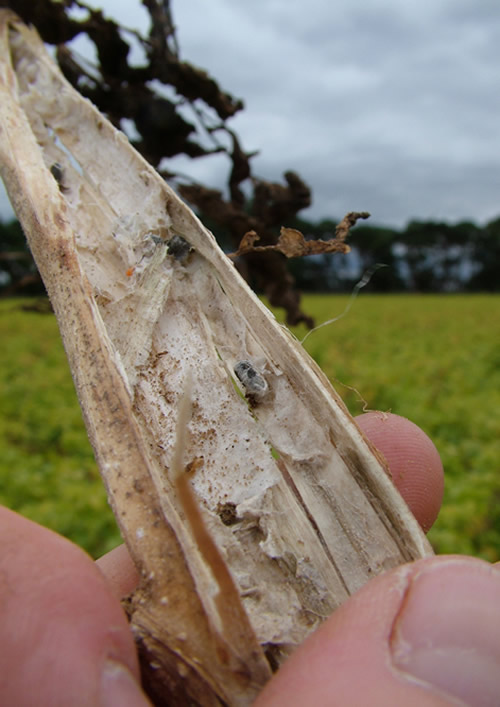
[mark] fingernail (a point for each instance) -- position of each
(447, 634)
(119, 688)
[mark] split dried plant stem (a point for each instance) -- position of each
(291, 509)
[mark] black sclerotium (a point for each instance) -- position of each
(178, 247)
(255, 384)
(57, 172)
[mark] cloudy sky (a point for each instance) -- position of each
(381, 105)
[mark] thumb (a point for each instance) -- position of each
(65, 639)
(423, 634)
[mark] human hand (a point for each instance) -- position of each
(66, 641)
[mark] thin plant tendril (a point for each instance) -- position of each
(367, 276)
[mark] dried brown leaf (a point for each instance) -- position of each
(292, 243)
(349, 220)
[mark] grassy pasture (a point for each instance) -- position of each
(433, 359)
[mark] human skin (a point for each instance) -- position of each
(423, 634)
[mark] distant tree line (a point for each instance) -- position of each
(18, 272)
(426, 256)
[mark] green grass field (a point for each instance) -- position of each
(433, 359)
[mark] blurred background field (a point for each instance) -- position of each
(434, 359)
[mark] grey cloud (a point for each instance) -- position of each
(387, 106)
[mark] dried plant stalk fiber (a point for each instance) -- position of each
(249, 500)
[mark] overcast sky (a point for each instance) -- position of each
(387, 106)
